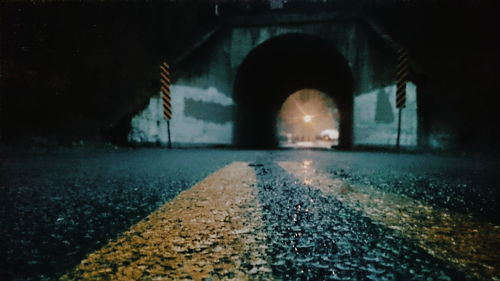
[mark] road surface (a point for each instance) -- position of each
(157, 214)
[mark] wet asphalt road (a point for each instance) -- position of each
(323, 240)
(57, 207)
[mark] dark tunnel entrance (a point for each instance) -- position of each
(279, 67)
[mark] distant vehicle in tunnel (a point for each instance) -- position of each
(329, 135)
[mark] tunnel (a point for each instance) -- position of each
(274, 70)
(308, 118)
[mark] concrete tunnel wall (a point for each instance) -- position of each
(203, 94)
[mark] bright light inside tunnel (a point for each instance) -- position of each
(308, 118)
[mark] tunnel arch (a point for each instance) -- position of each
(279, 67)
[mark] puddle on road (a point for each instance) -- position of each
(472, 246)
(212, 231)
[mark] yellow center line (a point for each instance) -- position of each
(213, 230)
(472, 246)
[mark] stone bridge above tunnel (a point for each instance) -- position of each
(229, 89)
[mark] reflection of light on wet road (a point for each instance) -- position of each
(472, 246)
(306, 164)
(212, 231)
(309, 144)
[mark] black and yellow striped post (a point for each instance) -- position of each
(401, 78)
(165, 90)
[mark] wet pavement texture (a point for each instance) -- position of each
(211, 231)
(55, 208)
(316, 237)
(58, 207)
(465, 184)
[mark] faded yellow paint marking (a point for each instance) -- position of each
(472, 246)
(213, 230)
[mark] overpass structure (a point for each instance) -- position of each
(80, 71)
(230, 88)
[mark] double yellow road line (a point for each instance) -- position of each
(215, 230)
